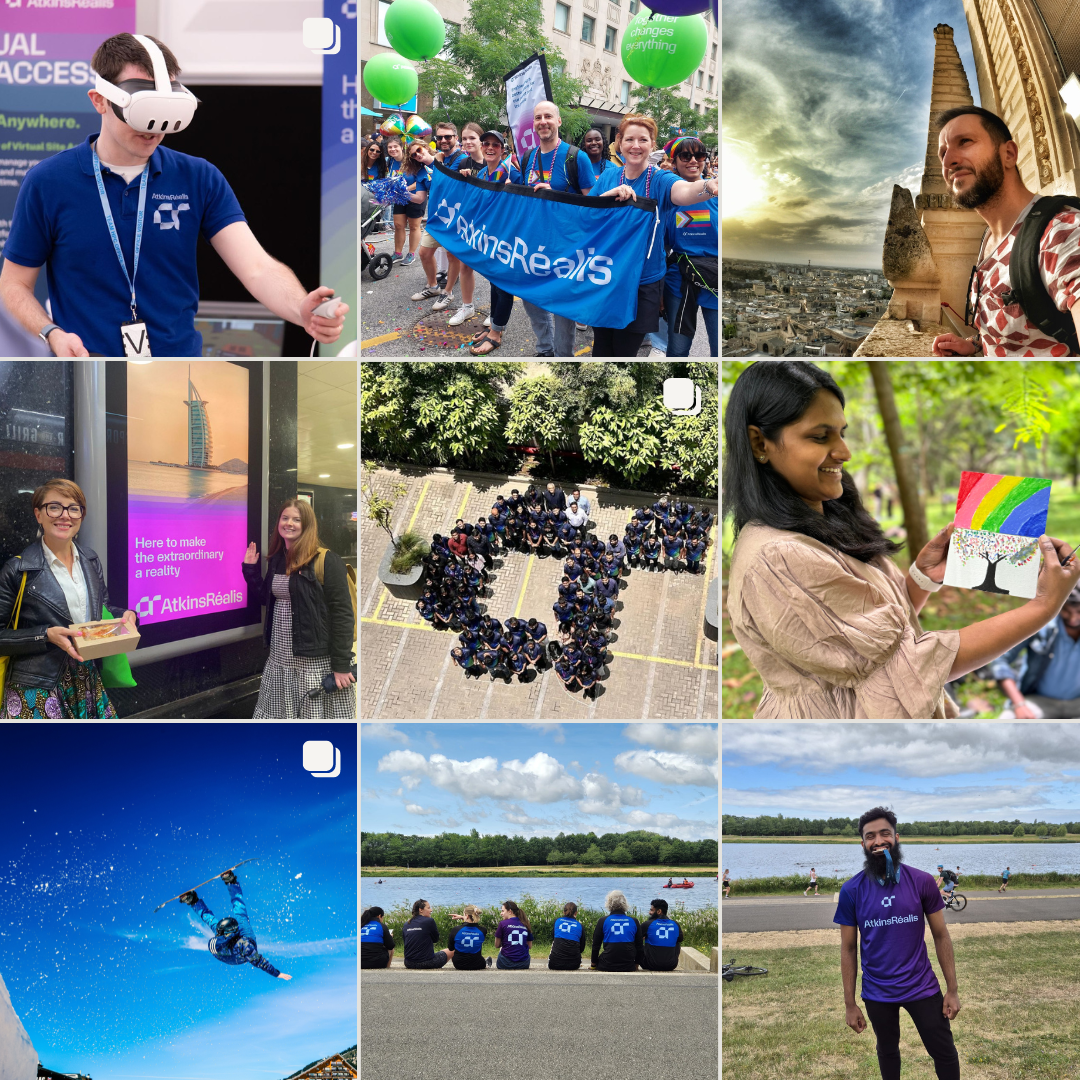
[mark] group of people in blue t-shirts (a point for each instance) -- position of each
(619, 941)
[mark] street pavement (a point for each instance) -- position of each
(816, 913)
(393, 325)
(663, 667)
(538, 1025)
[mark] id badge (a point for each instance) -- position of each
(135, 338)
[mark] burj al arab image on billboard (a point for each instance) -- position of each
(187, 487)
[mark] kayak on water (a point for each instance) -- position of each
(689, 886)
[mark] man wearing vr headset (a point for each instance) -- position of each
(118, 218)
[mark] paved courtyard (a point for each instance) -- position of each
(663, 668)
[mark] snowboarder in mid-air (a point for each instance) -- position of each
(233, 941)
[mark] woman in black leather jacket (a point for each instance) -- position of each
(47, 679)
(309, 626)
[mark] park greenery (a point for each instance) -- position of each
(914, 427)
(699, 925)
(472, 849)
(779, 825)
(598, 421)
(796, 884)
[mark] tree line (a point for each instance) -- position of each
(766, 825)
(639, 848)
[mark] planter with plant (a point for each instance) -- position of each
(401, 569)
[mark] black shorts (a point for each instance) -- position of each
(469, 961)
(437, 961)
(410, 210)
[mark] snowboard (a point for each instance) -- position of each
(202, 883)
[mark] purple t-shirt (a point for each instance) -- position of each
(515, 939)
(892, 926)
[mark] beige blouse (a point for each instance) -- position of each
(834, 638)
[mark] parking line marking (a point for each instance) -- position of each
(461, 509)
(654, 659)
(524, 584)
(381, 340)
(582, 352)
(386, 592)
(390, 674)
(393, 622)
(427, 484)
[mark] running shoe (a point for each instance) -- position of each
(444, 301)
(466, 311)
(409, 260)
(397, 256)
(426, 293)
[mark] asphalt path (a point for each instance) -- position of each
(538, 1025)
(386, 309)
(816, 913)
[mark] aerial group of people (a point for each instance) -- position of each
(619, 941)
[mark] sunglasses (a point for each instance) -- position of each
(440, 138)
(685, 155)
(491, 145)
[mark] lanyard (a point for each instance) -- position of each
(540, 160)
(648, 179)
(130, 278)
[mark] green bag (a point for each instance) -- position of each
(115, 669)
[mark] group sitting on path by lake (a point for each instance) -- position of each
(619, 941)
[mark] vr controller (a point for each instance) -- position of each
(328, 308)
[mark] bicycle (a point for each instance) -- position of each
(956, 901)
(730, 971)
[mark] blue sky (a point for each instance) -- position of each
(539, 779)
(924, 772)
(103, 822)
(826, 106)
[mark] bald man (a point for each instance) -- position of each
(554, 165)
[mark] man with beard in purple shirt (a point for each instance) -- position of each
(886, 906)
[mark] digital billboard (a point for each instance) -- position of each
(187, 488)
(184, 490)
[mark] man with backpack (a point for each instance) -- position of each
(553, 165)
(946, 882)
(1027, 277)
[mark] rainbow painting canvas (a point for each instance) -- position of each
(997, 518)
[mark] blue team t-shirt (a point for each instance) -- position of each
(512, 174)
(468, 938)
(585, 162)
(892, 925)
(659, 185)
(559, 181)
(687, 230)
(374, 933)
(59, 223)
(515, 938)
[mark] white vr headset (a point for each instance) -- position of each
(157, 107)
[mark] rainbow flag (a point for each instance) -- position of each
(1013, 505)
(692, 218)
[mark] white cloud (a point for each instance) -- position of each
(383, 731)
(668, 768)
(605, 797)
(413, 808)
(916, 750)
(701, 740)
(976, 803)
(671, 825)
(556, 729)
(436, 745)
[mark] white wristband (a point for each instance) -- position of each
(922, 580)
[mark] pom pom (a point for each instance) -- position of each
(390, 190)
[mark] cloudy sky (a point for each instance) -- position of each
(826, 106)
(539, 779)
(978, 772)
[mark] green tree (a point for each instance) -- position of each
(555, 857)
(691, 443)
(730, 330)
(668, 109)
(1061, 830)
(496, 37)
(538, 415)
(630, 442)
(593, 856)
(1042, 830)
(621, 854)
(1019, 831)
(848, 830)
(617, 384)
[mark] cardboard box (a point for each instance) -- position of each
(122, 640)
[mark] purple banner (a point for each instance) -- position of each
(104, 17)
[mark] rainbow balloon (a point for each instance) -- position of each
(1015, 505)
(417, 129)
(394, 124)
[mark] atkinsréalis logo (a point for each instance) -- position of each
(179, 604)
(538, 263)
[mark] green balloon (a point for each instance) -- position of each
(660, 50)
(415, 29)
(390, 79)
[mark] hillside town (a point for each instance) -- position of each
(787, 309)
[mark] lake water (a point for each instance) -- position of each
(843, 860)
(488, 891)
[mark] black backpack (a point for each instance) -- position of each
(570, 166)
(1025, 281)
(949, 875)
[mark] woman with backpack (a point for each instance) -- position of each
(310, 622)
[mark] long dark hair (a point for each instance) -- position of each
(511, 906)
(770, 395)
(370, 915)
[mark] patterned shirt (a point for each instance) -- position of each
(1005, 329)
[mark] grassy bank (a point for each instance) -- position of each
(700, 926)
(1018, 1018)
(794, 884)
(573, 870)
(1006, 838)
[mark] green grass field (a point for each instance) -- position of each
(1018, 1018)
(948, 609)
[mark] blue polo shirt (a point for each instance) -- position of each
(556, 166)
(59, 223)
(1061, 679)
(695, 230)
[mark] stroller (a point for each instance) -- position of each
(378, 266)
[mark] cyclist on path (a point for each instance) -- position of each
(883, 912)
(946, 882)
